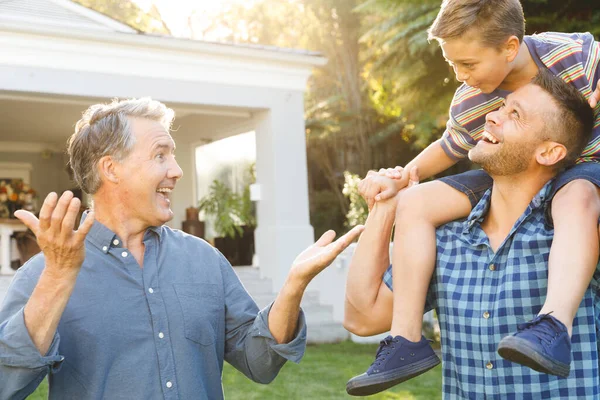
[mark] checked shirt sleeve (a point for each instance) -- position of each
(22, 367)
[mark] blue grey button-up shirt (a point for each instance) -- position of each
(161, 332)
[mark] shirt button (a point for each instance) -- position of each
(161, 335)
(104, 249)
(124, 254)
(116, 242)
(486, 315)
(489, 365)
(169, 384)
(151, 290)
(492, 267)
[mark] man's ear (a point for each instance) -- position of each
(511, 48)
(550, 153)
(107, 168)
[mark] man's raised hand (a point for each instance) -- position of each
(318, 256)
(63, 247)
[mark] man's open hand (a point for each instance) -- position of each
(318, 256)
(63, 247)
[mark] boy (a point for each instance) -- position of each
(484, 43)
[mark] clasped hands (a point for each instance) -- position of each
(386, 183)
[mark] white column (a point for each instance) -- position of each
(6, 230)
(284, 228)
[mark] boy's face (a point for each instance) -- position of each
(474, 64)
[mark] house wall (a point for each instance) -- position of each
(48, 173)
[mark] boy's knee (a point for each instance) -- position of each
(578, 195)
(408, 204)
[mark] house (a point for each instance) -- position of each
(57, 58)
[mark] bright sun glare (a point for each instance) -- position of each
(176, 12)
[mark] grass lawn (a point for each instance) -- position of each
(322, 374)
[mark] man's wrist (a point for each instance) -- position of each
(59, 278)
(295, 285)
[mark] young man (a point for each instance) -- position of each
(484, 42)
(491, 269)
(125, 307)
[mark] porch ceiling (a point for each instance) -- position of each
(33, 118)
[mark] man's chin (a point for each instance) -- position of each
(164, 216)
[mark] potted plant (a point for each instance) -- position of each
(233, 220)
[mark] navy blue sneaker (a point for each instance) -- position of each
(397, 360)
(542, 344)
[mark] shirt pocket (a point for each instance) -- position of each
(203, 311)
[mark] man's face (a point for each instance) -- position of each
(478, 66)
(149, 173)
(513, 132)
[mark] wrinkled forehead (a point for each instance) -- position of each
(147, 132)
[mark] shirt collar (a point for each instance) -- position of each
(480, 210)
(103, 238)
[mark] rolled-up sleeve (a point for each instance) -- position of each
(249, 344)
(22, 367)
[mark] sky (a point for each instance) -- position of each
(176, 12)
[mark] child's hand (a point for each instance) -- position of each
(402, 177)
(377, 186)
(595, 97)
(392, 173)
(375, 183)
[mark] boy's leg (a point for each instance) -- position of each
(573, 259)
(574, 251)
(406, 354)
(419, 212)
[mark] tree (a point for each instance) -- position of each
(420, 81)
(350, 124)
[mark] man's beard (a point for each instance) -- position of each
(508, 159)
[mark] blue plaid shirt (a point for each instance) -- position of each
(480, 297)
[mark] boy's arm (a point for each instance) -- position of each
(368, 305)
(595, 97)
(429, 162)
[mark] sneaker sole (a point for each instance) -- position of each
(519, 351)
(365, 385)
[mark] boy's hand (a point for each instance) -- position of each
(378, 186)
(392, 173)
(595, 97)
(374, 185)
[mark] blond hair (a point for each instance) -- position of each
(493, 20)
(104, 129)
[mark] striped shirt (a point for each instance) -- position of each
(480, 296)
(574, 57)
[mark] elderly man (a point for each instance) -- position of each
(125, 307)
(491, 269)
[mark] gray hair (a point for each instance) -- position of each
(103, 130)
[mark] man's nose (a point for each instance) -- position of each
(493, 118)
(175, 171)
